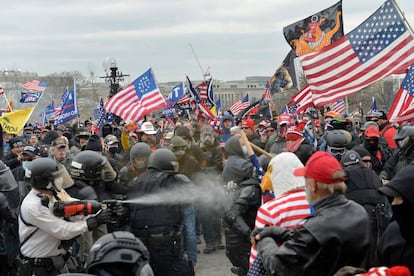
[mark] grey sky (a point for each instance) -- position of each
(235, 38)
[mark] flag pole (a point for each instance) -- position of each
(8, 102)
(346, 105)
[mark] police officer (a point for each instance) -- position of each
(41, 232)
(157, 225)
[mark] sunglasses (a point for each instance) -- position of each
(366, 160)
(245, 127)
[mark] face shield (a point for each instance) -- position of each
(62, 179)
(7, 181)
(107, 172)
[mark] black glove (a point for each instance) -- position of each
(275, 232)
(102, 217)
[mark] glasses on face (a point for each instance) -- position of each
(366, 160)
(245, 128)
(270, 130)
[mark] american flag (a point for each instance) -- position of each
(402, 109)
(35, 85)
(240, 105)
(338, 106)
(302, 100)
(382, 45)
(202, 91)
(141, 97)
(100, 113)
(267, 95)
(200, 109)
(184, 100)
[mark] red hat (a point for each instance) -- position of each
(248, 123)
(322, 167)
(293, 133)
(284, 119)
(372, 131)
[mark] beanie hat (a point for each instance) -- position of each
(94, 143)
(16, 142)
(50, 137)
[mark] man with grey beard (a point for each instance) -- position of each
(336, 235)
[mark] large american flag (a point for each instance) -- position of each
(382, 45)
(35, 85)
(141, 97)
(240, 105)
(402, 109)
(338, 106)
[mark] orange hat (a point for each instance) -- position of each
(332, 114)
(322, 159)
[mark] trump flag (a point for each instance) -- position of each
(141, 97)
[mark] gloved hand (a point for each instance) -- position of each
(274, 232)
(102, 217)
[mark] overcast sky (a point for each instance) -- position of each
(234, 38)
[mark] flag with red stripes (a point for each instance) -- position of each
(382, 45)
(402, 109)
(141, 97)
(301, 100)
(34, 85)
(338, 106)
(240, 105)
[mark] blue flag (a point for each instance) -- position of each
(374, 105)
(99, 113)
(176, 94)
(69, 108)
(50, 112)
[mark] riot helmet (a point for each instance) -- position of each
(139, 154)
(163, 160)
(90, 166)
(119, 253)
(7, 180)
(44, 173)
(404, 136)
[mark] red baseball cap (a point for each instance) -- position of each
(372, 131)
(322, 167)
(248, 123)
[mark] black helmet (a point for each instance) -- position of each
(337, 138)
(42, 173)
(7, 180)
(119, 253)
(404, 131)
(87, 165)
(139, 155)
(350, 157)
(163, 160)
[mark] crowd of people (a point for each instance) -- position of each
(322, 194)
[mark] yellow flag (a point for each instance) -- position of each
(13, 122)
(214, 110)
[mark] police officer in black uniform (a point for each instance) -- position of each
(157, 225)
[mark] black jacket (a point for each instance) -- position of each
(337, 234)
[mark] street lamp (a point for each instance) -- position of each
(113, 76)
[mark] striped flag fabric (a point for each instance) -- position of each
(240, 105)
(34, 85)
(402, 109)
(141, 97)
(338, 106)
(301, 100)
(99, 113)
(202, 91)
(382, 45)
